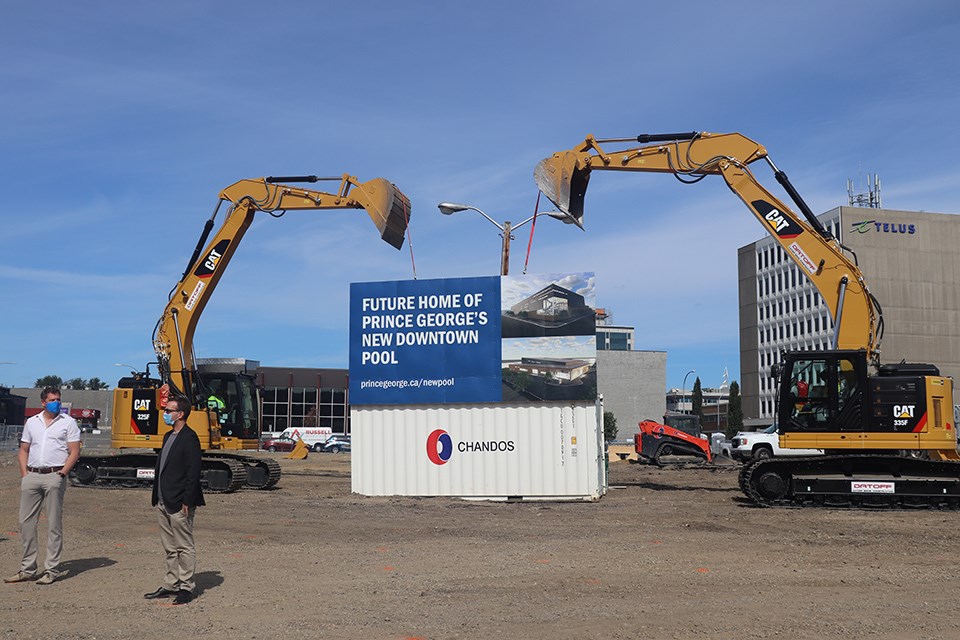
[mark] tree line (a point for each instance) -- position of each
(74, 384)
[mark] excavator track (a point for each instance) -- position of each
(259, 473)
(860, 481)
(221, 473)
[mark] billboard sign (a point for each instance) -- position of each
(473, 340)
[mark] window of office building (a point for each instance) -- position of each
(618, 342)
(305, 407)
(303, 403)
(332, 409)
(275, 414)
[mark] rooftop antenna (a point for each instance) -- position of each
(870, 199)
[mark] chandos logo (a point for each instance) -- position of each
(439, 447)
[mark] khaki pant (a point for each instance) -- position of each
(46, 490)
(176, 535)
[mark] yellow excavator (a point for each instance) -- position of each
(226, 406)
(888, 430)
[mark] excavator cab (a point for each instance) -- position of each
(235, 398)
(822, 391)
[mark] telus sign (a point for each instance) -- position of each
(865, 226)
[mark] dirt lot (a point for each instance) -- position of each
(669, 553)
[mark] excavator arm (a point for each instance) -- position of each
(692, 156)
(387, 206)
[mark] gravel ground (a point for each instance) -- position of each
(668, 553)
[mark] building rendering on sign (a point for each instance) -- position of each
(559, 369)
(551, 311)
(909, 261)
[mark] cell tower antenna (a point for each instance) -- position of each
(870, 199)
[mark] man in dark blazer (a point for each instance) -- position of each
(176, 496)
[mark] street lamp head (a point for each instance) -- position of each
(565, 218)
(449, 208)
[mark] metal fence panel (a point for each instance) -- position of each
(10, 436)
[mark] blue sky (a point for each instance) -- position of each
(122, 121)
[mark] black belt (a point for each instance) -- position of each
(44, 469)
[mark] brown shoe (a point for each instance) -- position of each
(20, 576)
(47, 578)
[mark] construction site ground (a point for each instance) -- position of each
(668, 553)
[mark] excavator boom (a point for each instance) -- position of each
(564, 178)
(387, 206)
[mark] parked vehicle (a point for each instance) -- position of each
(283, 443)
(720, 446)
(336, 444)
(759, 445)
(313, 437)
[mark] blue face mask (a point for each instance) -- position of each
(168, 419)
(53, 406)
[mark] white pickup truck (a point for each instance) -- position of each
(764, 444)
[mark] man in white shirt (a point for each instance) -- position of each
(49, 447)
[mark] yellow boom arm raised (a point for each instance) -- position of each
(691, 156)
(386, 205)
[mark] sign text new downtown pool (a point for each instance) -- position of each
(425, 341)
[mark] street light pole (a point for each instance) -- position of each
(506, 229)
(505, 253)
(684, 390)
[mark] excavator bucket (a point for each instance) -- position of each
(299, 452)
(389, 209)
(563, 179)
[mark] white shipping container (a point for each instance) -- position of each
(498, 452)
